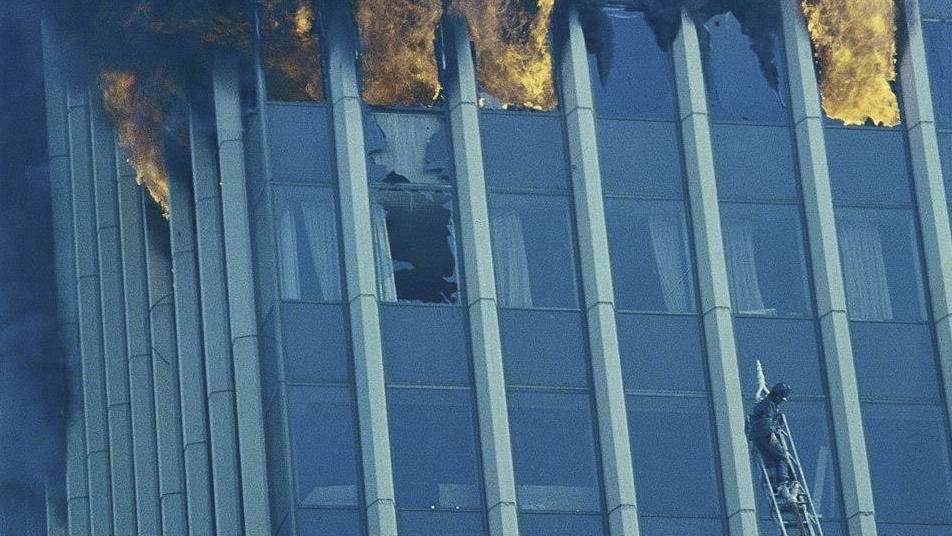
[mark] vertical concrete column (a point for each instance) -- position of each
(241, 300)
(168, 413)
(188, 330)
(712, 280)
(139, 349)
(77, 496)
(930, 191)
(498, 473)
(617, 470)
(827, 276)
(219, 382)
(90, 313)
(361, 280)
(113, 320)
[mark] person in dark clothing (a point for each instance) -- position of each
(765, 423)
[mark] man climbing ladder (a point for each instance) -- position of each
(779, 464)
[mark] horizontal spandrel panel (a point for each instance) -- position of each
(320, 522)
(439, 523)
(315, 342)
(895, 360)
(300, 143)
(754, 162)
(680, 526)
(640, 157)
(544, 347)
(551, 524)
(868, 165)
(662, 352)
(424, 344)
(523, 150)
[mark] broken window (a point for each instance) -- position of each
(404, 148)
(307, 244)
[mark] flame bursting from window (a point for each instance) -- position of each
(513, 53)
(138, 120)
(399, 60)
(855, 44)
(291, 50)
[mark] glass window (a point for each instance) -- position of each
(415, 242)
(533, 251)
(308, 249)
(439, 523)
(787, 348)
(938, 41)
(766, 263)
(300, 143)
(739, 86)
(640, 82)
(939, 9)
(662, 352)
(863, 157)
(315, 342)
(945, 154)
(881, 268)
(544, 347)
(406, 147)
(424, 344)
(650, 255)
(549, 524)
(322, 522)
(894, 360)
(553, 447)
(325, 451)
(754, 162)
(433, 444)
(895, 529)
(674, 526)
(522, 150)
(640, 157)
(909, 463)
(672, 447)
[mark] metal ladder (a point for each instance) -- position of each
(799, 518)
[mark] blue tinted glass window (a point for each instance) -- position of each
(407, 147)
(881, 268)
(640, 157)
(544, 347)
(549, 524)
(754, 162)
(650, 255)
(894, 360)
(300, 143)
(787, 348)
(640, 83)
(533, 251)
(662, 352)
(672, 446)
(553, 447)
(315, 342)
(945, 153)
(321, 522)
(524, 150)
(909, 463)
(896, 529)
(766, 263)
(308, 244)
(325, 453)
(940, 9)
(424, 344)
(868, 165)
(737, 88)
(673, 526)
(433, 444)
(938, 41)
(439, 523)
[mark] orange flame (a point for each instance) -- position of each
(855, 44)
(399, 59)
(513, 53)
(138, 121)
(291, 52)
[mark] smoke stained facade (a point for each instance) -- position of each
(457, 317)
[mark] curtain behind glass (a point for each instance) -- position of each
(318, 241)
(386, 283)
(864, 271)
(742, 267)
(320, 224)
(666, 241)
(512, 264)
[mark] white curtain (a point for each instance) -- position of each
(742, 266)
(864, 271)
(288, 251)
(666, 242)
(386, 284)
(320, 223)
(512, 265)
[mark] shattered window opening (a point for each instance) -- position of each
(407, 148)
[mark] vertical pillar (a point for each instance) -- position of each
(188, 330)
(220, 389)
(498, 472)
(139, 349)
(168, 414)
(827, 276)
(712, 280)
(930, 192)
(617, 469)
(77, 496)
(361, 283)
(241, 300)
(90, 319)
(113, 320)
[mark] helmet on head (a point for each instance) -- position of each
(780, 391)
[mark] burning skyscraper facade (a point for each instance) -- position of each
(423, 267)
